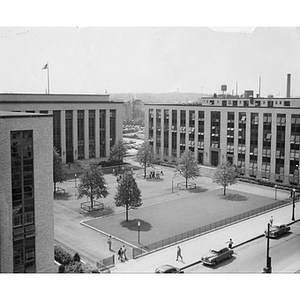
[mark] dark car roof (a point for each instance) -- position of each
(165, 267)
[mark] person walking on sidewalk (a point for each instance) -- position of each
(120, 255)
(230, 243)
(109, 243)
(124, 252)
(179, 253)
(271, 221)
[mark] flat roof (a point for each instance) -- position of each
(14, 114)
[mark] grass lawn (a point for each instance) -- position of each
(169, 218)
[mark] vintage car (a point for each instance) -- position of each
(216, 255)
(168, 269)
(277, 230)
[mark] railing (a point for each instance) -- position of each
(105, 264)
(146, 249)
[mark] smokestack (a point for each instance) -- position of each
(288, 87)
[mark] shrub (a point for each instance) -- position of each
(76, 257)
(69, 265)
(61, 255)
(61, 269)
(79, 267)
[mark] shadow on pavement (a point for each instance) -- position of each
(98, 213)
(63, 196)
(198, 189)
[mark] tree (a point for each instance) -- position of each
(225, 174)
(117, 152)
(92, 184)
(128, 194)
(59, 174)
(145, 156)
(188, 166)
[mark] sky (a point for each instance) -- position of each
(156, 48)
(149, 59)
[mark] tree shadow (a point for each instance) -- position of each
(234, 197)
(132, 225)
(98, 213)
(198, 189)
(63, 196)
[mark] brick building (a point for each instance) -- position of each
(26, 193)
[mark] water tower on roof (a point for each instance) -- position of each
(223, 88)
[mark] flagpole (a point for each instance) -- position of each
(48, 78)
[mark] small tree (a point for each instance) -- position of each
(128, 194)
(92, 184)
(59, 174)
(145, 156)
(188, 166)
(225, 175)
(117, 152)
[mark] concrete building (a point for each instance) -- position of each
(84, 126)
(26, 193)
(261, 136)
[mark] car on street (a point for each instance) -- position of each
(216, 255)
(165, 269)
(277, 230)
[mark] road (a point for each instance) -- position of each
(251, 257)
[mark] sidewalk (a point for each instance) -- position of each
(193, 249)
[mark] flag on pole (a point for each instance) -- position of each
(45, 66)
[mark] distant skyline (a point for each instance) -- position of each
(149, 59)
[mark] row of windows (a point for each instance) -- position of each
(267, 117)
(80, 131)
(23, 201)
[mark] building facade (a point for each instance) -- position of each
(26, 193)
(84, 126)
(260, 136)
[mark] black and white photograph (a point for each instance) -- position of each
(135, 149)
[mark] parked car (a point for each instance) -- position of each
(216, 255)
(168, 269)
(277, 230)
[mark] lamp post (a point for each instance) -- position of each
(293, 213)
(139, 227)
(268, 268)
(75, 180)
(275, 186)
(298, 166)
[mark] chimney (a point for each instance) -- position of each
(288, 87)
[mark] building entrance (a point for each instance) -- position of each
(200, 158)
(69, 155)
(214, 158)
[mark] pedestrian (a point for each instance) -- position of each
(161, 172)
(271, 221)
(113, 172)
(124, 252)
(230, 243)
(109, 243)
(120, 255)
(179, 253)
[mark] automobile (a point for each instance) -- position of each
(216, 255)
(277, 230)
(165, 269)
